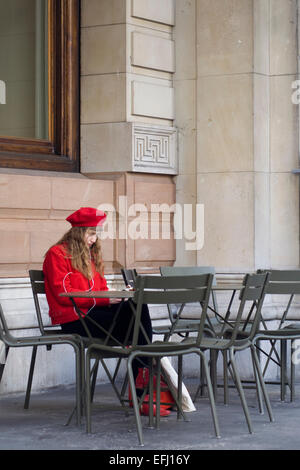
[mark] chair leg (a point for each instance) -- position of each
(79, 383)
(283, 369)
(151, 375)
(88, 392)
(258, 387)
(213, 370)
(201, 386)
(240, 390)
(210, 394)
(225, 375)
(135, 401)
(262, 384)
(179, 385)
(80, 386)
(158, 372)
(94, 375)
(292, 397)
(30, 377)
(2, 366)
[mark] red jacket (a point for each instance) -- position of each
(60, 276)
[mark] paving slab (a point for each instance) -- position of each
(42, 426)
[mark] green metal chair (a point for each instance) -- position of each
(153, 290)
(48, 339)
(180, 323)
(38, 289)
(283, 283)
(183, 326)
(240, 335)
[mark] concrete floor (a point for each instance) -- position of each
(42, 427)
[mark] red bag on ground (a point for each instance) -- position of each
(142, 382)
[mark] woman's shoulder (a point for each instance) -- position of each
(57, 250)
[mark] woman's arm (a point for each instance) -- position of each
(61, 278)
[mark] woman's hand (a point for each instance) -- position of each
(114, 301)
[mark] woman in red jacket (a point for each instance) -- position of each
(75, 263)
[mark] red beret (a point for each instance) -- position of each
(86, 217)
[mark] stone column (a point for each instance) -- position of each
(275, 134)
(225, 132)
(185, 115)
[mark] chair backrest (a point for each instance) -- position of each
(286, 282)
(283, 282)
(189, 271)
(172, 290)
(254, 291)
(129, 276)
(38, 287)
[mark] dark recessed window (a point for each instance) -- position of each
(39, 84)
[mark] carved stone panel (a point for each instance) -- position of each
(154, 149)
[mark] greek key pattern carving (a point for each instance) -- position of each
(150, 148)
(154, 148)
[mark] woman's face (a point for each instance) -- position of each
(90, 237)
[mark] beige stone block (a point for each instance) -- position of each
(185, 104)
(103, 98)
(152, 52)
(261, 122)
(41, 241)
(154, 250)
(30, 214)
(185, 121)
(103, 50)
(11, 225)
(185, 39)
(154, 193)
(228, 220)
(71, 194)
(261, 31)
(14, 244)
(102, 12)
(152, 100)
(262, 213)
(106, 147)
(225, 123)
(283, 37)
(275, 37)
(28, 192)
(44, 234)
(184, 257)
(186, 189)
(224, 36)
(108, 250)
(284, 244)
(283, 125)
(187, 141)
(156, 10)
(11, 270)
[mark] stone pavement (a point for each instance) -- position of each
(42, 427)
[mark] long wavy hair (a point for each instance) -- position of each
(80, 254)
